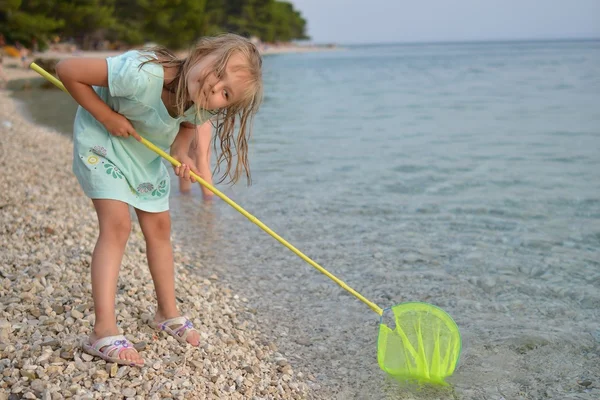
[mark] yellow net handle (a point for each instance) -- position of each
(227, 200)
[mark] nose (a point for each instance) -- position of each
(216, 87)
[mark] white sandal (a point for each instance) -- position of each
(106, 347)
(180, 333)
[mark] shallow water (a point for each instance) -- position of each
(465, 175)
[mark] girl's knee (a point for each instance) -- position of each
(157, 226)
(118, 229)
(114, 219)
(162, 226)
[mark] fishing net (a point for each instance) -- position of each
(421, 344)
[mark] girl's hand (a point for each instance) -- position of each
(187, 165)
(118, 125)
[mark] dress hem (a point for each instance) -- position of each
(106, 196)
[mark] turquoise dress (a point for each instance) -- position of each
(112, 167)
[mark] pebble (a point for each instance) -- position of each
(51, 343)
(38, 385)
(44, 357)
(114, 368)
(101, 374)
(28, 374)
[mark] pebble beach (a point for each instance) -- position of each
(47, 233)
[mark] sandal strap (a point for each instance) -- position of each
(111, 344)
(173, 321)
(183, 330)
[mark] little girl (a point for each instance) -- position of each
(154, 94)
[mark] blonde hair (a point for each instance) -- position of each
(242, 112)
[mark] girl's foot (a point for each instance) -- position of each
(113, 348)
(180, 328)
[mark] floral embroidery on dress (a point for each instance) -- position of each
(112, 169)
(161, 189)
(93, 160)
(99, 150)
(145, 187)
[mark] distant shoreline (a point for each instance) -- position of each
(14, 70)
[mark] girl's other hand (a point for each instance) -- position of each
(118, 125)
(187, 165)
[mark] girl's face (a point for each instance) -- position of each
(212, 92)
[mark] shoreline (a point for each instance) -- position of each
(46, 305)
(14, 70)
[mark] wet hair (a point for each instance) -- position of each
(240, 113)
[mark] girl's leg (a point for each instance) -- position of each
(115, 226)
(203, 157)
(185, 186)
(157, 232)
(200, 153)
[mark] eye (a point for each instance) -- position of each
(226, 94)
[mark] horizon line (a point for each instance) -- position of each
(463, 41)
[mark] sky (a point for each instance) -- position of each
(380, 21)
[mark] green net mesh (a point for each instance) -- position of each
(423, 344)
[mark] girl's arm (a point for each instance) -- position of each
(79, 75)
